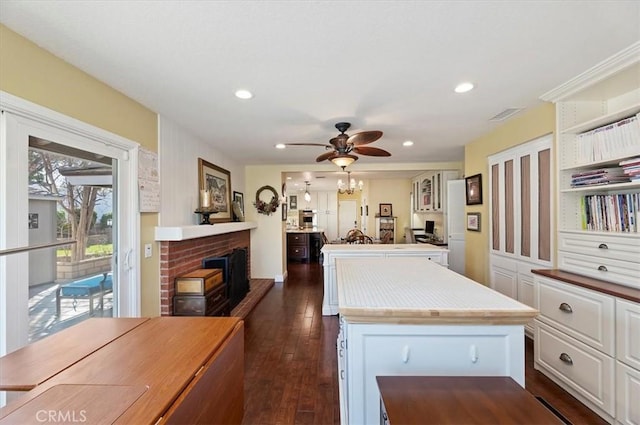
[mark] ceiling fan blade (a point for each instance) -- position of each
(326, 155)
(364, 137)
(371, 151)
(309, 144)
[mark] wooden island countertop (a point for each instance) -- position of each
(405, 290)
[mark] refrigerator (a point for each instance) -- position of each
(456, 224)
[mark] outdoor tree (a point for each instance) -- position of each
(78, 202)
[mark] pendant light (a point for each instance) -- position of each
(307, 195)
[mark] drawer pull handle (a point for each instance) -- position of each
(603, 246)
(566, 358)
(342, 374)
(340, 353)
(602, 268)
(405, 354)
(473, 353)
(566, 308)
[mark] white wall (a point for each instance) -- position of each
(178, 152)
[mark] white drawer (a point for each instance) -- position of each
(613, 246)
(628, 333)
(588, 372)
(627, 395)
(616, 271)
(586, 315)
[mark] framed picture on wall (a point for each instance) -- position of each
(474, 189)
(473, 221)
(293, 202)
(386, 210)
(214, 184)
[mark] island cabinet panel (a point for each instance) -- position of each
(393, 350)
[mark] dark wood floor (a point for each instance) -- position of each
(291, 365)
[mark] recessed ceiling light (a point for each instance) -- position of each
(407, 143)
(288, 177)
(280, 146)
(463, 87)
(244, 94)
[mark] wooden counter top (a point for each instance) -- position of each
(168, 358)
(33, 364)
(414, 290)
(462, 400)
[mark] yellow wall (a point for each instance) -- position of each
(29, 72)
(396, 192)
(522, 128)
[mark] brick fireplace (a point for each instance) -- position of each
(180, 256)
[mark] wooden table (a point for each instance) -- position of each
(445, 400)
(166, 370)
(33, 364)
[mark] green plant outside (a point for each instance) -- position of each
(93, 250)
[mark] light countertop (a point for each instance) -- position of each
(415, 290)
(305, 230)
(382, 247)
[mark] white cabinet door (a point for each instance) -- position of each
(504, 276)
(628, 333)
(627, 395)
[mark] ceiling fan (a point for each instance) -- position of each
(344, 146)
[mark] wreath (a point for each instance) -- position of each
(267, 207)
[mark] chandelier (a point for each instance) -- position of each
(351, 188)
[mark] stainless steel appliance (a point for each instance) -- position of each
(307, 218)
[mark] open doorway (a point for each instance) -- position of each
(70, 198)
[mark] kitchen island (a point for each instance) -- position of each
(304, 243)
(331, 252)
(408, 316)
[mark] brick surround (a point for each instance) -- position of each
(178, 257)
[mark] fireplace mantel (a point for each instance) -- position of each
(181, 233)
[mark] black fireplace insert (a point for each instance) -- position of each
(234, 270)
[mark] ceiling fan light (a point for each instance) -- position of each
(344, 160)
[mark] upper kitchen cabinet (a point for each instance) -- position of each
(429, 190)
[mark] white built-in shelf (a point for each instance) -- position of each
(609, 118)
(181, 233)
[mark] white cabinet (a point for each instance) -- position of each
(628, 362)
(327, 210)
(520, 219)
(514, 279)
(423, 192)
(389, 349)
(575, 340)
(430, 190)
(588, 342)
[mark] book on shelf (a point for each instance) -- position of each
(598, 177)
(610, 213)
(613, 140)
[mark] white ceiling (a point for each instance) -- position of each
(381, 65)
